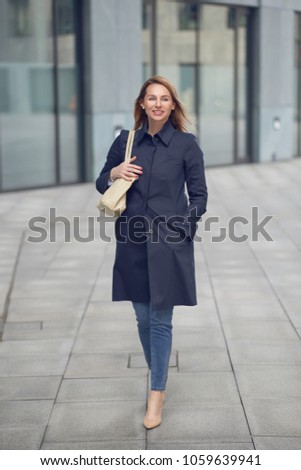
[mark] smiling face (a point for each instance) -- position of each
(157, 104)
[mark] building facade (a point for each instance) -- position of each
(71, 69)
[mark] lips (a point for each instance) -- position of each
(158, 113)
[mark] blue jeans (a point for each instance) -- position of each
(155, 332)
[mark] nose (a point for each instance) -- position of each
(158, 104)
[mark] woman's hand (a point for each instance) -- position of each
(126, 170)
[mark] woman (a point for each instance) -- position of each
(154, 264)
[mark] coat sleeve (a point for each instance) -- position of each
(114, 158)
(195, 181)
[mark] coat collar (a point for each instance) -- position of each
(165, 133)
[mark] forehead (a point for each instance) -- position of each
(157, 89)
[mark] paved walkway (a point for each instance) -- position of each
(72, 375)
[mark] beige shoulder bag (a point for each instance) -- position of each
(113, 201)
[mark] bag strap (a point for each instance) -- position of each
(129, 145)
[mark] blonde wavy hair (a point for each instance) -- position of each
(178, 117)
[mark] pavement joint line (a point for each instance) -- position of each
(147, 388)
(129, 362)
(227, 347)
(177, 361)
(8, 295)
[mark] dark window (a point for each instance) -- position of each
(65, 15)
(4, 93)
(188, 15)
(19, 18)
(146, 7)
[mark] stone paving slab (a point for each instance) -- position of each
(45, 365)
(51, 309)
(260, 330)
(101, 365)
(96, 421)
(269, 381)
(29, 388)
(108, 343)
(108, 310)
(262, 353)
(18, 414)
(21, 437)
(253, 310)
(202, 388)
(102, 326)
(277, 443)
(102, 390)
(202, 337)
(204, 359)
(274, 417)
(200, 316)
(223, 423)
(37, 348)
(38, 330)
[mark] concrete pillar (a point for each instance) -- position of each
(116, 70)
(274, 105)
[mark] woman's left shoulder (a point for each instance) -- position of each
(185, 136)
(185, 140)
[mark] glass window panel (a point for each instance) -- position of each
(65, 11)
(146, 38)
(67, 92)
(146, 72)
(20, 23)
(41, 90)
(188, 15)
(27, 121)
(146, 7)
(297, 87)
(187, 86)
(216, 84)
(242, 85)
(4, 90)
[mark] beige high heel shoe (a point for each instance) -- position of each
(152, 418)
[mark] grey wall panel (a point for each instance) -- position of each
(275, 83)
(284, 4)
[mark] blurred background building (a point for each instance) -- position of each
(71, 69)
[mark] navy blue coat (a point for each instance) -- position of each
(154, 248)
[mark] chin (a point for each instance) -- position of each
(160, 118)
